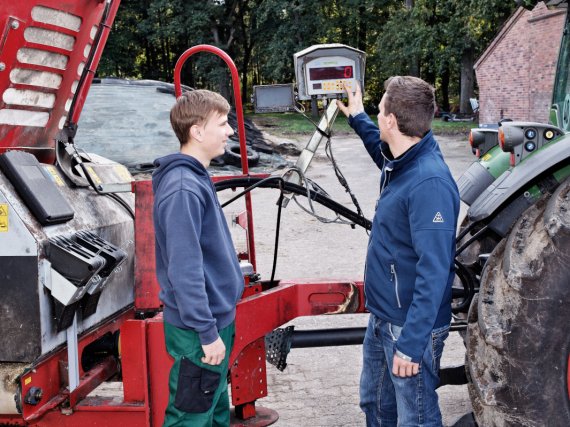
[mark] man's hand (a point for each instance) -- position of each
(402, 368)
(355, 105)
(214, 353)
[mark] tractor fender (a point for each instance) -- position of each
(517, 178)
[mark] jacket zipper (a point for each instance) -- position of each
(394, 278)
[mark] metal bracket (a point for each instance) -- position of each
(278, 345)
(306, 156)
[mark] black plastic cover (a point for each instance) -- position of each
(113, 255)
(35, 187)
(73, 261)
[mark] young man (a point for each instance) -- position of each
(410, 259)
(196, 264)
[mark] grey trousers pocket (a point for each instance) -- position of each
(196, 387)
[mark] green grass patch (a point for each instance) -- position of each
(296, 124)
(452, 128)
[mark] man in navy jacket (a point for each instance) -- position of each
(410, 260)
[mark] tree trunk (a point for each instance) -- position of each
(414, 69)
(467, 81)
(444, 102)
(362, 28)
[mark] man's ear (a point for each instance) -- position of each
(392, 122)
(196, 133)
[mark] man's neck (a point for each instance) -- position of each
(402, 143)
(191, 150)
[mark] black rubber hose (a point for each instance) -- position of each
(300, 190)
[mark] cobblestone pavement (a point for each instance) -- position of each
(319, 387)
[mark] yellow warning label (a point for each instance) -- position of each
(123, 173)
(3, 217)
(56, 177)
(27, 380)
(94, 175)
(486, 157)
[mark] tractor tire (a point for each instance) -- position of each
(232, 155)
(518, 341)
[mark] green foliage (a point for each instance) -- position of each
(428, 38)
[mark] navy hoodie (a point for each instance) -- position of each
(196, 263)
(410, 259)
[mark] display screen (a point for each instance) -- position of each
(331, 73)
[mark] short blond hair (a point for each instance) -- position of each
(193, 108)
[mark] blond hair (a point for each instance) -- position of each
(194, 108)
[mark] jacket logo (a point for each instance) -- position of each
(438, 218)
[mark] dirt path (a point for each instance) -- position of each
(320, 385)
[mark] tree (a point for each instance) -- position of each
(437, 40)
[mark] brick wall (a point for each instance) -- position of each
(516, 72)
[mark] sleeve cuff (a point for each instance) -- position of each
(403, 356)
(357, 113)
(208, 336)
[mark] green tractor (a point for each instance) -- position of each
(513, 262)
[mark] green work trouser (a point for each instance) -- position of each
(198, 392)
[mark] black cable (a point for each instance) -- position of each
(98, 190)
(277, 228)
(468, 283)
(122, 202)
(89, 61)
(464, 232)
(341, 179)
(297, 189)
(248, 189)
(471, 240)
(323, 133)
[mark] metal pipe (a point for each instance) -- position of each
(338, 337)
(240, 121)
(327, 337)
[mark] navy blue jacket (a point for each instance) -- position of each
(196, 263)
(410, 259)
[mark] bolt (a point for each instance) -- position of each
(15, 25)
(2, 66)
(33, 396)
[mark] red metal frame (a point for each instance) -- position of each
(241, 126)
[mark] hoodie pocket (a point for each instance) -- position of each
(394, 280)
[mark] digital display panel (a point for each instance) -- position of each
(331, 73)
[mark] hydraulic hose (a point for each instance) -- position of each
(278, 183)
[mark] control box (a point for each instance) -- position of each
(323, 70)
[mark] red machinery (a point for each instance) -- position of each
(80, 330)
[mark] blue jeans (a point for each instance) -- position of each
(393, 401)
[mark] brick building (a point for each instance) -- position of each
(516, 72)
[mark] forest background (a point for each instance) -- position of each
(437, 40)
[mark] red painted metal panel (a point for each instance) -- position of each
(15, 18)
(109, 417)
(289, 300)
(146, 285)
(134, 361)
(249, 376)
(159, 364)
